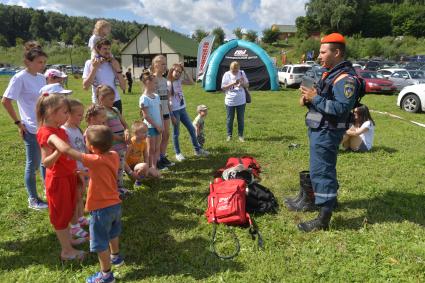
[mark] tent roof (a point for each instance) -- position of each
(177, 41)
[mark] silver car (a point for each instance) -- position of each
(403, 77)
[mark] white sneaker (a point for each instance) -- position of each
(202, 152)
(241, 139)
(229, 138)
(180, 157)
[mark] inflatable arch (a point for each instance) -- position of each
(254, 61)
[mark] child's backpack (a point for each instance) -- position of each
(227, 205)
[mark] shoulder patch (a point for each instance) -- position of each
(349, 87)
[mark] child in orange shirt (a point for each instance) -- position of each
(137, 154)
(103, 201)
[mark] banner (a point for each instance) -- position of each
(204, 51)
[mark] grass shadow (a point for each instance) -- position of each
(389, 207)
(165, 222)
(272, 138)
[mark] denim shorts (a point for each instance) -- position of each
(362, 148)
(152, 132)
(105, 225)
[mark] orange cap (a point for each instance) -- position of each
(333, 38)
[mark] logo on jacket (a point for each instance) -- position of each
(348, 89)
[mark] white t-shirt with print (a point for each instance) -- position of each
(76, 140)
(24, 88)
(367, 137)
(105, 75)
(177, 97)
(235, 96)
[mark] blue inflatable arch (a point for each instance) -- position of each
(210, 81)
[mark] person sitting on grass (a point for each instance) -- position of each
(136, 157)
(359, 137)
(103, 200)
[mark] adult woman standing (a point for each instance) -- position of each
(233, 84)
(24, 88)
(179, 113)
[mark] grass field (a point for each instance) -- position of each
(376, 235)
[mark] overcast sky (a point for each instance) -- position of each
(181, 15)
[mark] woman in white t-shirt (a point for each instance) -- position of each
(360, 136)
(24, 88)
(233, 84)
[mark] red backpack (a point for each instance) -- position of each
(248, 162)
(226, 204)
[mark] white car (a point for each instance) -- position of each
(412, 98)
(290, 75)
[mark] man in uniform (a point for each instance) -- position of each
(329, 105)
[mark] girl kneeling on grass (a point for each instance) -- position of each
(61, 176)
(360, 136)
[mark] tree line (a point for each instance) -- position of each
(21, 24)
(367, 18)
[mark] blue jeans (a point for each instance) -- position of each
(33, 161)
(105, 225)
(240, 111)
(182, 116)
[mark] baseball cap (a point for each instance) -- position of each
(201, 107)
(55, 88)
(54, 73)
(333, 38)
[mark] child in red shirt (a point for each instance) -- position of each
(61, 178)
(103, 199)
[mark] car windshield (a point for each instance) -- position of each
(372, 75)
(301, 70)
(417, 74)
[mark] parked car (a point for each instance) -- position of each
(412, 98)
(7, 71)
(376, 83)
(315, 74)
(291, 75)
(403, 77)
(372, 65)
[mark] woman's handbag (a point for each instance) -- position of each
(247, 95)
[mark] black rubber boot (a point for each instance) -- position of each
(304, 181)
(306, 202)
(319, 223)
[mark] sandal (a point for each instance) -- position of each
(79, 256)
(84, 221)
(79, 232)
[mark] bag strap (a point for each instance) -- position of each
(254, 231)
(214, 241)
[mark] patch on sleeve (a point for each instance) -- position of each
(349, 88)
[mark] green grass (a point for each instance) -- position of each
(376, 235)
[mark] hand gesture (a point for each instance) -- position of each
(22, 130)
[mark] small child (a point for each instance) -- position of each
(105, 96)
(95, 115)
(137, 154)
(103, 201)
(101, 30)
(199, 123)
(55, 80)
(150, 105)
(61, 177)
(76, 138)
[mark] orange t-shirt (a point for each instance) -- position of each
(135, 152)
(103, 171)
